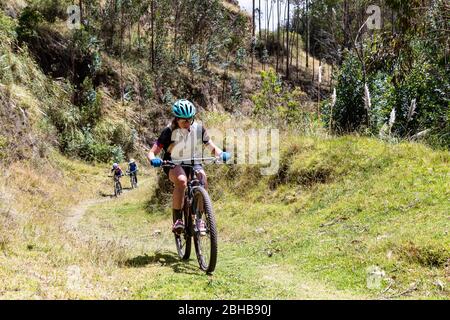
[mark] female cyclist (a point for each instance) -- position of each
(183, 139)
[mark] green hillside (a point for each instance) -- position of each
(356, 209)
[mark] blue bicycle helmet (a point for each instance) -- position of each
(183, 109)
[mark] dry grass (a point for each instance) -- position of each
(34, 198)
(231, 7)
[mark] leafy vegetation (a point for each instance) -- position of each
(342, 202)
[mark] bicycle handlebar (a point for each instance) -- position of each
(185, 162)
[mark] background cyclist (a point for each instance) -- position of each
(132, 169)
(117, 173)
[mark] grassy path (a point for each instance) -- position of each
(144, 264)
(283, 237)
(345, 207)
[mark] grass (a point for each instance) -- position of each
(337, 207)
(151, 252)
(289, 236)
(36, 251)
(380, 205)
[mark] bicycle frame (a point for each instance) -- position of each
(193, 180)
(199, 225)
(132, 176)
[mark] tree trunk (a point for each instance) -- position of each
(278, 33)
(259, 19)
(393, 21)
(130, 38)
(347, 35)
(267, 20)
(297, 27)
(273, 23)
(329, 76)
(176, 27)
(152, 45)
(287, 40)
(283, 30)
(81, 11)
(307, 34)
(253, 33)
(121, 53)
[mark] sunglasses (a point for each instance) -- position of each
(188, 120)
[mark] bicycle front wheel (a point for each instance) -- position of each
(205, 231)
(183, 240)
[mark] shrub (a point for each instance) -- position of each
(269, 95)
(429, 87)
(349, 113)
(90, 104)
(281, 106)
(236, 94)
(51, 9)
(7, 28)
(241, 56)
(29, 20)
(382, 94)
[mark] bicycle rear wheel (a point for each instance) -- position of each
(116, 189)
(205, 240)
(183, 241)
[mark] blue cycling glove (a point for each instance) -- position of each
(157, 162)
(225, 156)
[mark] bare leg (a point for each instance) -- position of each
(179, 179)
(202, 177)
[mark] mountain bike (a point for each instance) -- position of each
(198, 217)
(133, 179)
(117, 186)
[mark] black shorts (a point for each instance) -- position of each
(186, 169)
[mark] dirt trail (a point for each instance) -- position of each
(146, 255)
(96, 229)
(71, 223)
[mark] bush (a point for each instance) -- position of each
(236, 94)
(268, 98)
(382, 94)
(241, 56)
(51, 9)
(29, 20)
(349, 113)
(429, 87)
(83, 144)
(7, 28)
(407, 77)
(280, 105)
(115, 134)
(90, 104)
